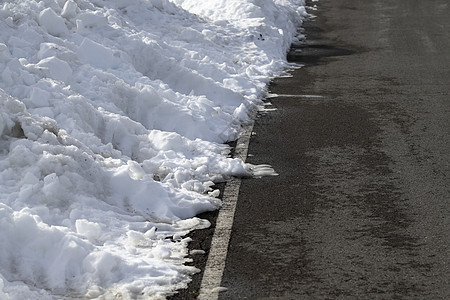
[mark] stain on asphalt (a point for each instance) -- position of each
(314, 54)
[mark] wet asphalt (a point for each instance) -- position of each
(360, 138)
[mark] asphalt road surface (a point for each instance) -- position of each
(360, 138)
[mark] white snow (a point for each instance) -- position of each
(52, 23)
(113, 119)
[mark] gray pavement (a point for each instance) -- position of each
(361, 207)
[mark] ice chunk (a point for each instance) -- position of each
(90, 19)
(96, 54)
(51, 22)
(92, 231)
(161, 251)
(56, 68)
(70, 9)
(52, 49)
(39, 97)
(261, 170)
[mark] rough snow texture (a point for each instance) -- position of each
(113, 116)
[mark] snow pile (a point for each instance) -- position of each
(113, 116)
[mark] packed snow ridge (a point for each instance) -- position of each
(113, 119)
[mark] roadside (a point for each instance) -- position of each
(359, 136)
(312, 50)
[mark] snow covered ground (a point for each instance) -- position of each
(113, 115)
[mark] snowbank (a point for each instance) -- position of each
(113, 116)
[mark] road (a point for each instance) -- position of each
(360, 138)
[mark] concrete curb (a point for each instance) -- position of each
(215, 265)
